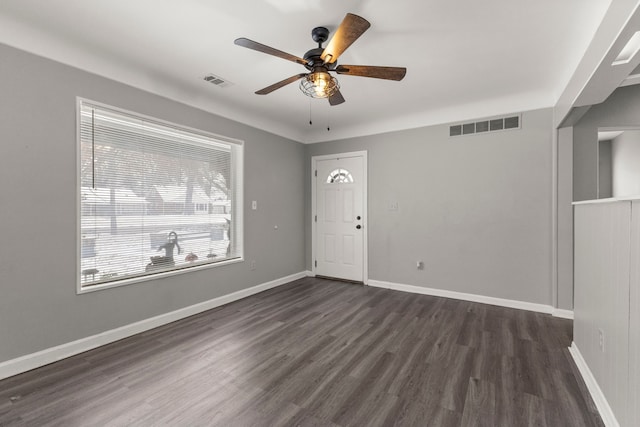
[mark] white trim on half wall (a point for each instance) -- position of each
(597, 395)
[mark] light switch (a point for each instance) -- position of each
(254, 205)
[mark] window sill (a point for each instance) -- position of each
(130, 281)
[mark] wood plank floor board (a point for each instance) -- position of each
(420, 413)
(17, 390)
(446, 329)
(353, 326)
(262, 373)
(367, 396)
(78, 408)
(458, 371)
(330, 398)
(410, 364)
(50, 401)
(297, 363)
(316, 352)
(591, 407)
(486, 365)
(159, 378)
(321, 379)
(471, 330)
(16, 421)
(567, 398)
(430, 306)
(216, 387)
(136, 363)
(480, 404)
(513, 408)
(382, 335)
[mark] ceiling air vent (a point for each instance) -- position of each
(482, 126)
(468, 128)
(217, 80)
(455, 130)
(486, 125)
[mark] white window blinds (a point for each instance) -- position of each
(154, 197)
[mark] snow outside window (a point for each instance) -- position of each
(154, 197)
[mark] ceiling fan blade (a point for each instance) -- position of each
(352, 27)
(388, 73)
(280, 84)
(336, 98)
(250, 44)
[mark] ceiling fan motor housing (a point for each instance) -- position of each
(320, 35)
(313, 60)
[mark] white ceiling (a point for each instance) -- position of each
(465, 59)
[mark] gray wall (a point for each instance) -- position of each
(605, 172)
(476, 209)
(565, 218)
(625, 161)
(620, 110)
(39, 307)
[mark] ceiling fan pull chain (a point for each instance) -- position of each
(310, 122)
(328, 119)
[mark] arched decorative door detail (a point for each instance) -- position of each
(339, 176)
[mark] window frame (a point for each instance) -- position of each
(237, 203)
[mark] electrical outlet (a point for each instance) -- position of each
(601, 340)
(393, 206)
(252, 264)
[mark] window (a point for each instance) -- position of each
(340, 176)
(154, 197)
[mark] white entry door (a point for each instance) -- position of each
(339, 217)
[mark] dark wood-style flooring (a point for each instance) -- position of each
(319, 353)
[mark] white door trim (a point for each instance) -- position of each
(365, 219)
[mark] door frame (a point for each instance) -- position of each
(365, 214)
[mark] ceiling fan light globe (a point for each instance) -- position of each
(321, 81)
(319, 85)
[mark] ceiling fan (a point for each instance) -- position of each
(318, 83)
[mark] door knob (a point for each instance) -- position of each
(358, 226)
(358, 217)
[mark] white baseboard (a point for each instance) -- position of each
(522, 305)
(597, 395)
(310, 273)
(31, 361)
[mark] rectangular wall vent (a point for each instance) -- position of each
(490, 125)
(217, 80)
